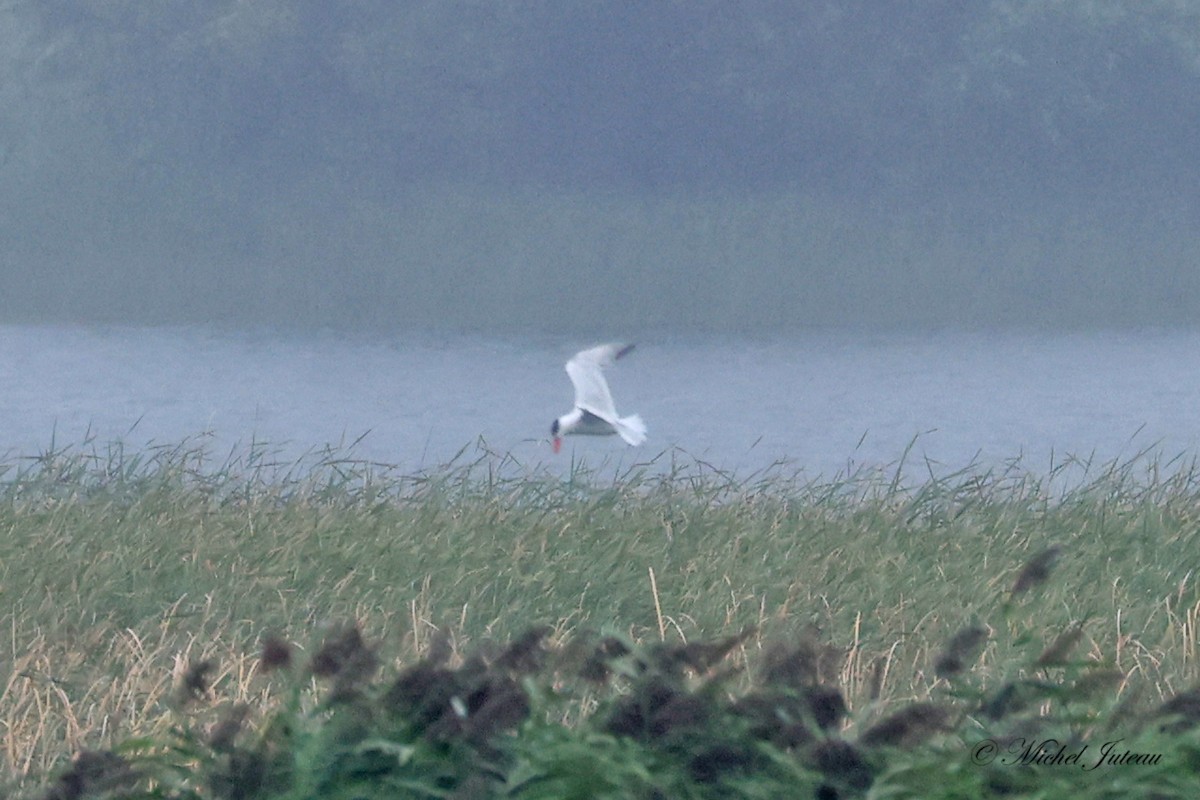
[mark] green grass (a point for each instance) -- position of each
(119, 569)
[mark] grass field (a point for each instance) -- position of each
(118, 569)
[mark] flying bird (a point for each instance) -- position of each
(594, 413)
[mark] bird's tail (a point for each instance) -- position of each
(632, 429)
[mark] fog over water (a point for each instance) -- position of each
(831, 226)
(593, 168)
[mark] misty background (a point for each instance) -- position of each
(606, 166)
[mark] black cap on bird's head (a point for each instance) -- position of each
(554, 428)
(555, 439)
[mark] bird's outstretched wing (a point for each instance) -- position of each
(586, 369)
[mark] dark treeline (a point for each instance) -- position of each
(469, 164)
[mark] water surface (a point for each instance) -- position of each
(824, 402)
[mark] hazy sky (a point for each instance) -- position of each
(537, 165)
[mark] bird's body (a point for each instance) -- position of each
(595, 414)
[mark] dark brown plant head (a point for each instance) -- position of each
(826, 705)
(422, 694)
(474, 668)
(342, 651)
(347, 659)
(632, 713)
(499, 706)
(1036, 571)
(1056, 654)
(708, 765)
(195, 682)
(244, 774)
(840, 761)
(680, 713)
(226, 730)
(907, 727)
(806, 664)
(276, 654)
(596, 666)
(93, 773)
(569, 656)
(1005, 701)
(962, 648)
(525, 654)
(1127, 710)
(1097, 680)
(440, 647)
(1183, 709)
(700, 657)
(478, 712)
(774, 717)
(788, 718)
(1016, 696)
